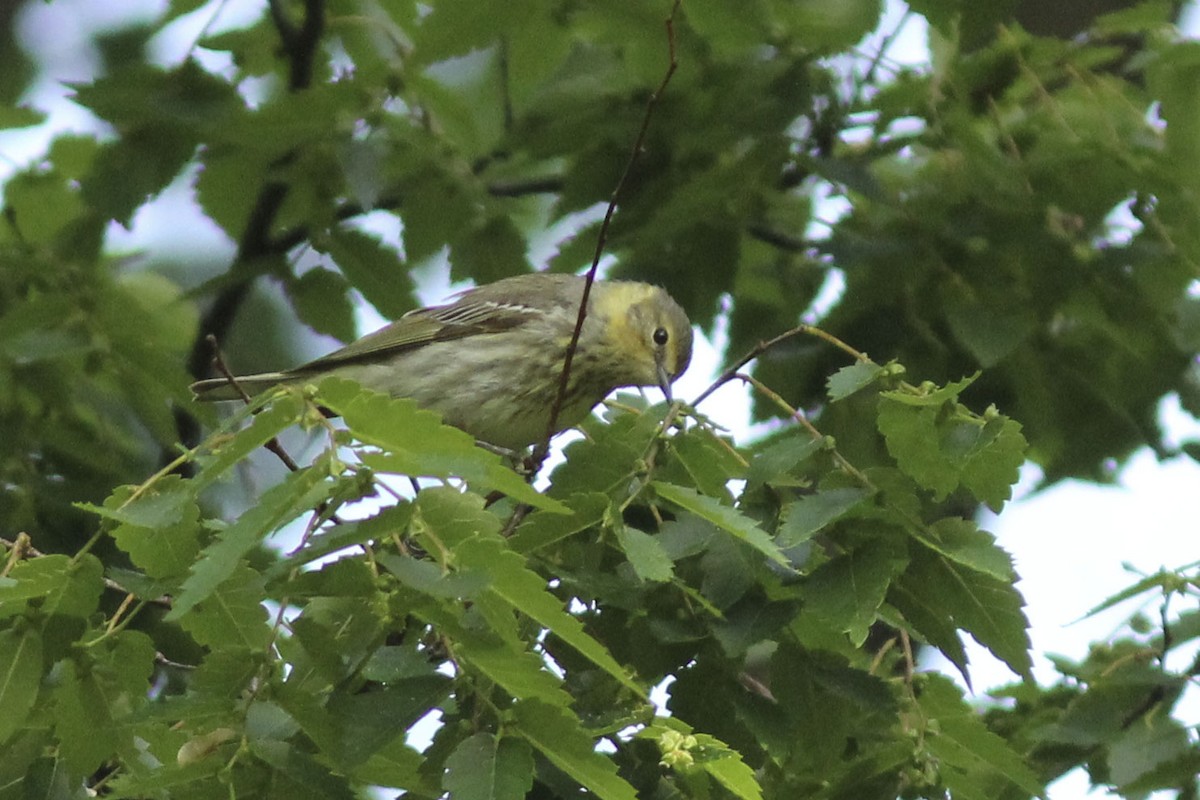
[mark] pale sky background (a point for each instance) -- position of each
(1074, 544)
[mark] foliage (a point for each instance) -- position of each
(1017, 253)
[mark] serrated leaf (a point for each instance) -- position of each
(520, 673)
(416, 443)
(558, 735)
(526, 592)
(161, 532)
(483, 767)
(810, 513)
(230, 613)
(1161, 580)
(368, 721)
(428, 578)
(492, 250)
(299, 492)
(543, 528)
(931, 397)
(724, 517)
(20, 676)
(964, 743)
(990, 610)
(848, 590)
(321, 298)
(646, 555)
(990, 473)
(373, 269)
(1143, 748)
(911, 434)
(297, 774)
(729, 769)
(32, 578)
(780, 457)
(848, 380)
(709, 463)
(962, 541)
(922, 610)
(229, 450)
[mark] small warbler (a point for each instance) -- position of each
(490, 362)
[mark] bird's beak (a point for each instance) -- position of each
(664, 380)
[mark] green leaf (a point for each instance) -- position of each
(431, 579)
(920, 605)
(990, 610)
(373, 269)
(522, 674)
(230, 613)
(20, 117)
(283, 411)
(728, 768)
(810, 513)
(781, 456)
(492, 250)
(962, 541)
(160, 529)
(483, 767)
(20, 676)
(646, 554)
(557, 734)
(416, 443)
(848, 380)
(911, 433)
(724, 517)
(61, 587)
(297, 774)
(848, 590)
(300, 492)
(1145, 747)
(930, 395)
(544, 528)
(526, 592)
(992, 470)
(368, 721)
(709, 462)
(321, 299)
(967, 748)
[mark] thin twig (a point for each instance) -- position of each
(271, 444)
(543, 448)
(764, 346)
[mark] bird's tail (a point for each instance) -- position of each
(222, 389)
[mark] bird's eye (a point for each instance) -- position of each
(661, 336)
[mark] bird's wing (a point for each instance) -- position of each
(469, 316)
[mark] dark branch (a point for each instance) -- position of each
(300, 45)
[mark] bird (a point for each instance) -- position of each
(490, 361)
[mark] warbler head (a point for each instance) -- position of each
(647, 331)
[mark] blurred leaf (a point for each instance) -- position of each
(724, 517)
(20, 676)
(321, 299)
(848, 590)
(848, 380)
(296, 494)
(560, 739)
(969, 752)
(810, 513)
(646, 555)
(229, 614)
(484, 767)
(373, 269)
